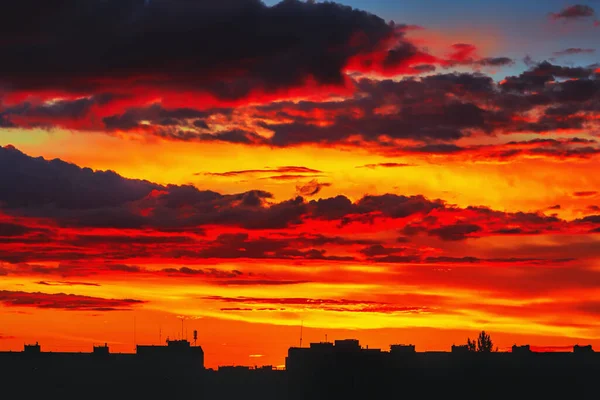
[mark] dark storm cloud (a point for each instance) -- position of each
(224, 47)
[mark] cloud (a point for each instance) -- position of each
(6, 337)
(341, 305)
(278, 170)
(115, 44)
(576, 11)
(66, 283)
(379, 250)
(458, 231)
(69, 302)
(400, 117)
(385, 165)
(573, 51)
(147, 222)
(37, 182)
(290, 177)
(311, 188)
(588, 193)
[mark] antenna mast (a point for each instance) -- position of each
(301, 326)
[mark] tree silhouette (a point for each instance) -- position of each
(483, 344)
(471, 345)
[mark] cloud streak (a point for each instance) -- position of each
(62, 301)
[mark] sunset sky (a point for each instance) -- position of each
(393, 171)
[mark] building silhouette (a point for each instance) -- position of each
(324, 370)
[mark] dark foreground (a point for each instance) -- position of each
(475, 377)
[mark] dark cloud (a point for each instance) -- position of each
(66, 283)
(379, 250)
(574, 12)
(215, 273)
(11, 230)
(154, 44)
(573, 51)
(5, 122)
(311, 188)
(588, 193)
(495, 61)
(278, 170)
(290, 177)
(439, 109)
(36, 182)
(260, 282)
(425, 115)
(385, 165)
(178, 222)
(70, 302)
(540, 74)
(157, 115)
(459, 231)
(320, 304)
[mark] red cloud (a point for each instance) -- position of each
(70, 302)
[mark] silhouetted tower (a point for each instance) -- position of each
(195, 336)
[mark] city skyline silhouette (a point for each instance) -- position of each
(275, 173)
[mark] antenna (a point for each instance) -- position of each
(195, 336)
(326, 339)
(301, 326)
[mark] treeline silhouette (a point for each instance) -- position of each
(326, 370)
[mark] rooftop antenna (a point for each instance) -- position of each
(301, 326)
(195, 336)
(326, 339)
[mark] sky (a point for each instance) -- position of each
(391, 171)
